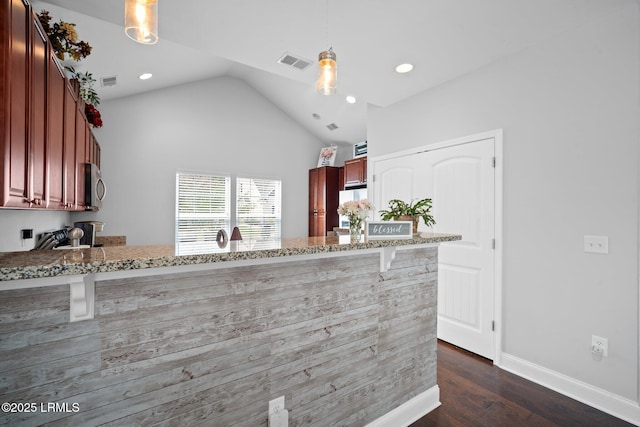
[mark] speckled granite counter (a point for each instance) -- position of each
(43, 264)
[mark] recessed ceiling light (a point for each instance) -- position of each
(404, 68)
(351, 99)
(145, 76)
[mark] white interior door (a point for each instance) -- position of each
(460, 180)
(464, 203)
(394, 179)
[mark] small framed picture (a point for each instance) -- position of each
(327, 156)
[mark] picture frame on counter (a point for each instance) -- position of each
(389, 230)
(327, 156)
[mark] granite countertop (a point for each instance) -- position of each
(53, 263)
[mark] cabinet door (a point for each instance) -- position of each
(96, 153)
(352, 172)
(323, 200)
(14, 142)
(331, 196)
(88, 143)
(69, 156)
(320, 224)
(364, 170)
(55, 136)
(81, 141)
(313, 185)
(38, 115)
(317, 217)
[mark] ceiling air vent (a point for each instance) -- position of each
(108, 81)
(332, 126)
(294, 61)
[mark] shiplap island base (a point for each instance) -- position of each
(129, 336)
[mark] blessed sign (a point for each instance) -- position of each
(389, 230)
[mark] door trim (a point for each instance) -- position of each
(497, 136)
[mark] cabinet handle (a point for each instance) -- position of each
(37, 202)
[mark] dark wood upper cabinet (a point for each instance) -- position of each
(355, 172)
(81, 154)
(45, 138)
(55, 134)
(69, 152)
(37, 168)
(15, 18)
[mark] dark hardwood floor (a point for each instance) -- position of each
(473, 392)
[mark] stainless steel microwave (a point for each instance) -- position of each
(94, 187)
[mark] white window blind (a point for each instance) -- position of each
(258, 208)
(203, 206)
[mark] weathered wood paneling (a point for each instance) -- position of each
(341, 341)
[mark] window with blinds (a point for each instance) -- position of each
(203, 206)
(258, 208)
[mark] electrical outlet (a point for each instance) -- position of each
(599, 345)
(276, 405)
(596, 244)
(26, 233)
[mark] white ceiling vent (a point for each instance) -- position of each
(295, 61)
(332, 126)
(108, 81)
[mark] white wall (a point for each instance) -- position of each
(217, 125)
(12, 221)
(569, 110)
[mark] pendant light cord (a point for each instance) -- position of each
(327, 23)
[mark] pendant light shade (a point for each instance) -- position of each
(141, 20)
(327, 72)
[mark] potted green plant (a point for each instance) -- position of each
(412, 211)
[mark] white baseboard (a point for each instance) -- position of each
(410, 411)
(600, 399)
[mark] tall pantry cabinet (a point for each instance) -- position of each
(323, 200)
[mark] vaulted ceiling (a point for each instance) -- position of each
(443, 39)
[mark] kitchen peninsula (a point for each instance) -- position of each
(345, 332)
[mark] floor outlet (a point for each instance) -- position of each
(276, 405)
(599, 346)
(278, 416)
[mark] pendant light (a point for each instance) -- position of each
(327, 67)
(327, 72)
(141, 20)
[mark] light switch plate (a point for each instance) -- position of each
(596, 244)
